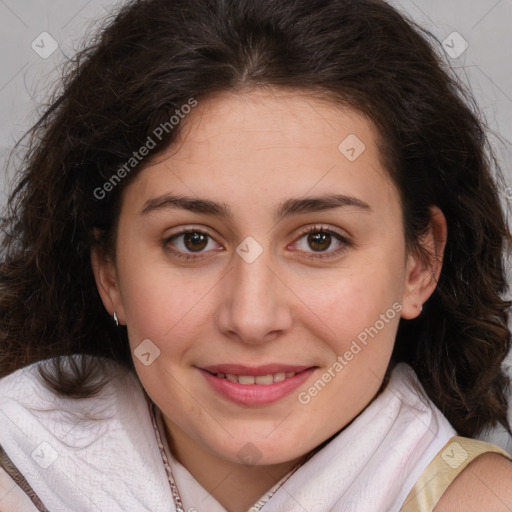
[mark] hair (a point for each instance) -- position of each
(152, 57)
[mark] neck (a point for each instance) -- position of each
(235, 486)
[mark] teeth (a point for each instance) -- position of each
(263, 380)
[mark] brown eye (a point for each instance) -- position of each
(319, 241)
(195, 241)
(190, 244)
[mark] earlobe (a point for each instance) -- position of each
(105, 275)
(424, 265)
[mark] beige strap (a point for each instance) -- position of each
(455, 455)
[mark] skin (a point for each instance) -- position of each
(483, 485)
(252, 151)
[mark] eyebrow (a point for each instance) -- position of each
(285, 209)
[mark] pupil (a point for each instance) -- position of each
(319, 239)
(198, 241)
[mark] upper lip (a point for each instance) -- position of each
(239, 369)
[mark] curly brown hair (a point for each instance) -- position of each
(148, 60)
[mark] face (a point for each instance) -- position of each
(262, 306)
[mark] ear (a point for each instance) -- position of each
(423, 270)
(105, 275)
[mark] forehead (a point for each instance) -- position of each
(272, 121)
(261, 145)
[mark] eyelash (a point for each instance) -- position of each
(315, 229)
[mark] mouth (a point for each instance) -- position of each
(262, 380)
(255, 385)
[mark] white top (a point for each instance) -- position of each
(101, 454)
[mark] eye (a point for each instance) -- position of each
(192, 244)
(187, 243)
(320, 239)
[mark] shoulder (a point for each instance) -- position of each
(485, 484)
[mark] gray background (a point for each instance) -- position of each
(483, 26)
(26, 77)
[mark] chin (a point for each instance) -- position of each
(260, 452)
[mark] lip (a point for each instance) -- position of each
(255, 394)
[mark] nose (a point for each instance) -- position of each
(255, 306)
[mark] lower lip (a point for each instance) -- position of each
(256, 394)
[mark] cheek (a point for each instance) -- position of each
(354, 301)
(161, 303)
(165, 303)
(358, 320)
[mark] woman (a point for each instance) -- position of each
(254, 261)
